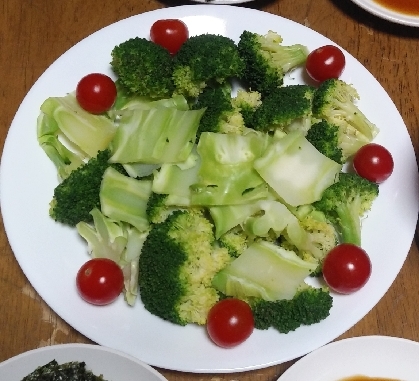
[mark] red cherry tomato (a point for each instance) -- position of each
(374, 163)
(100, 281)
(169, 33)
(325, 62)
(96, 93)
(230, 322)
(346, 268)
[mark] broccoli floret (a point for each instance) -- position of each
(267, 61)
(345, 202)
(205, 60)
(77, 195)
(220, 114)
(320, 236)
(326, 137)
(177, 263)
(288, 108)
(235, 241)
(157, 210)
(247, 102)
(334, 100)
(309, 306)
(143, 68)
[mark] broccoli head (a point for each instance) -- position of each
(287, 108)
(326, 138)
(267, 60)
(235, 241)
(220, 115)
(143, 68)
(309, 306)
(345, 202)
(78, 194)
(205, 60)
(176, 266)
(334, 101)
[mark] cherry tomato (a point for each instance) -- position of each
(373, 162)
(325, 62)
(169, 33)
(96, 93)
(100, 281)
(346, 268)
(230, 322)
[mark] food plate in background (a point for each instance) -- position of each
(111, 364)
(381, 357)
(388, 14)
(222, 2)
(51, 254)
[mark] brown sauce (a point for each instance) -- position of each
(364, 378)
(408, 7)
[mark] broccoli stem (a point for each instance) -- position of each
(350, 223)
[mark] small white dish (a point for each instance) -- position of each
(388, 14)
(224, 2)
(111, 364)
(371, 356)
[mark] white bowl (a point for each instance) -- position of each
(112, 364)
(385, 13)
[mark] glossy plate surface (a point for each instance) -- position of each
(50, 254)
(381, 357)
(388, 14)
(113, 365)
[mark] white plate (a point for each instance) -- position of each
(51, 254)
(113, 365)
(388, 14)
(371, 356)
(220, 2)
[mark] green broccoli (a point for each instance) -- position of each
(334, 100)
(327, 139)
(235, 241)
(157, 210)
(220, 114)
(288, 108)
(267, 61)
(143, 68)
(309, 306)
(345, 202)
(77, 195)
(319, 237)
(247, 102)
(205, 60)
(176, 266)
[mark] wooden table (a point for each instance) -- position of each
(33, 34)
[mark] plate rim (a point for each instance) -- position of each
(388, 14)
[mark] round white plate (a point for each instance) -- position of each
(388, 14)
(51, 254)
(370, 356)
(221, 2)
(113, 365)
